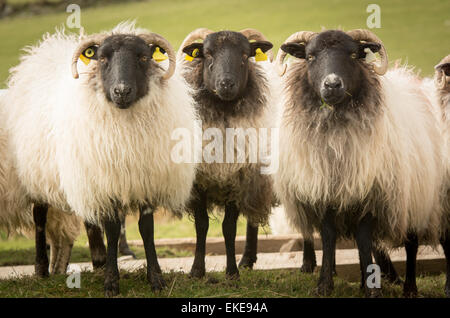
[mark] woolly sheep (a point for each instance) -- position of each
(231, 91)
(360, 153)
(101, 145)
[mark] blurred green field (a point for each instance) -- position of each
(416, 31)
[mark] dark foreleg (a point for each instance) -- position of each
(112, 231)
(328, 232)
(40, 220)
(445, 242)
(146, 228)
(96, 245)
(309, 256)
(363, 238)
(387, 268)
(124, 249)
(229, 232)
(201, 229)
(251, 247)
(411, 246)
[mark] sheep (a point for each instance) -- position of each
(98, 141)
(230, 91)
(438, 92)
(360, 149)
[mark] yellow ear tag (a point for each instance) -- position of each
(189, 58)
(85, 60)
(158, 56)
(260, 55)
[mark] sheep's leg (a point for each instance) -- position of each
(229, 232)
(201, 228)
(387, 268)
(363, 238)
(309, 256)
(445, 242)
(328, 232)
(40, 220)
(112, 231)
(124, 249)
(411, 246)
(251, 247)
(96, 245)
(146, 228)
(59, 255)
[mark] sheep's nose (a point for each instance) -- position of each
(122, 90)
(333, 81)
(226, 84)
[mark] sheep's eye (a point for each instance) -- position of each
(90, 52)
(354, 55)
(144, 58)
(195, 53)
(310, 57)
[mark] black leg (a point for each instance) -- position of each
(251, 247)
(201, 219)
(363, 238)
(96, 245)
(411, 246)
(387, 268)
(124, 249)
(146, 228)
(40, 220)
(309, 256)
(229, 233)
(445, 242)
(112, 231)
(328, 233)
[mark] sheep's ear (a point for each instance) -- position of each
(443, 67)
(194, 50)
(295, 49)
(263, 45)
(374, 47)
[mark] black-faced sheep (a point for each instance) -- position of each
(231, 91)
(360, 149)
(98, 142)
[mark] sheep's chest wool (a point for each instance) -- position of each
(77, 151)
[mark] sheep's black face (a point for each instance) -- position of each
(334, 66)
(225, 57)
(124, 65)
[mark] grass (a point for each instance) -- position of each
(414, 31)
(256, 284)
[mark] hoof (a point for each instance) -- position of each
(373, 293)
(410, 291)
(126, 252)
(246, 262)
(324, 289)
(111, 288)
(98, 264)
(41, 270)
(233, 275)
(307, 268)
(197, 272)
(157, 282)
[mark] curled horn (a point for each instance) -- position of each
(156, 39)
(368, 36)
(95, 39)
(440, 78)
(298, 37)
(253, 34)
(197, 34)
